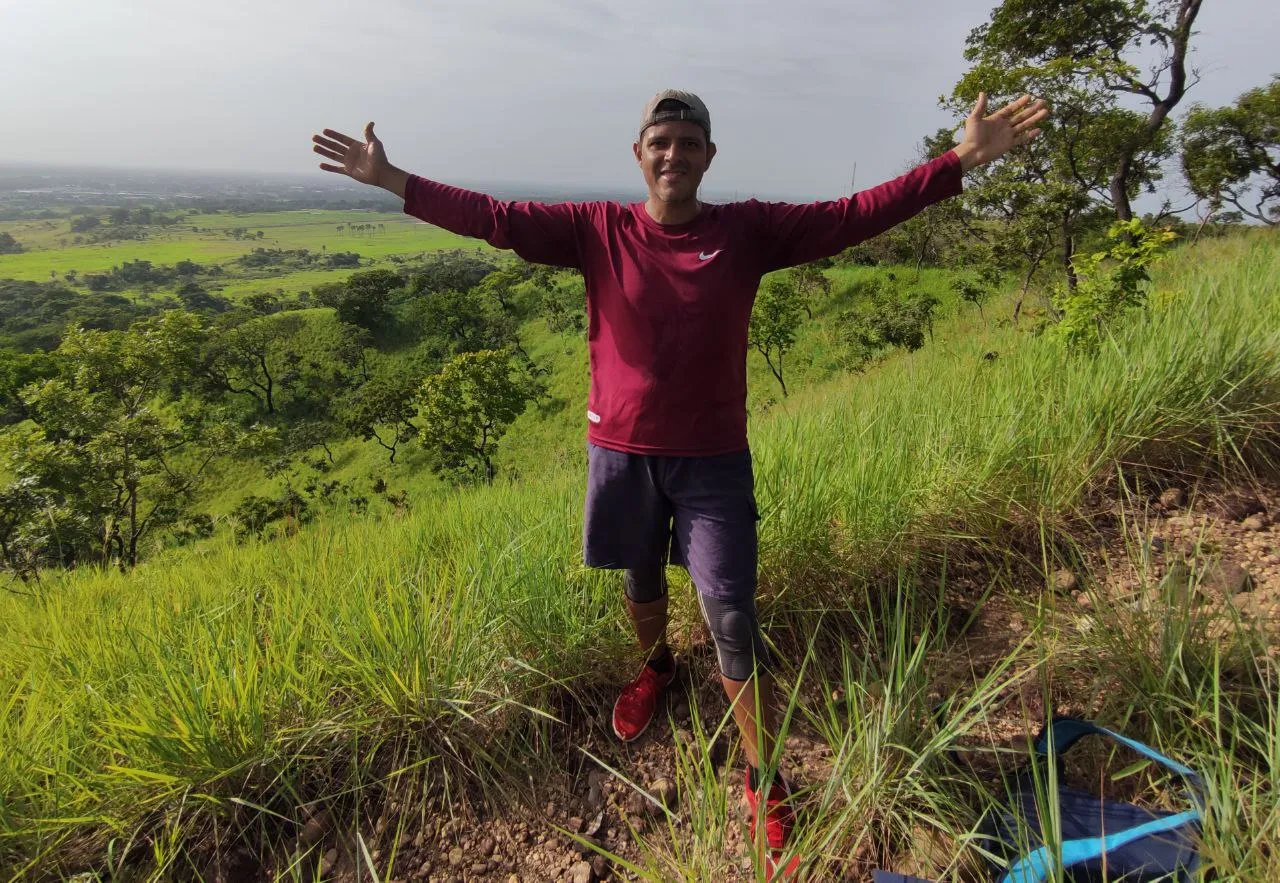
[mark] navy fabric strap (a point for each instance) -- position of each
(1034, 867)
(1062, 733)
(1066, 731)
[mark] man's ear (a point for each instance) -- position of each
(635, 148)
(711, 152)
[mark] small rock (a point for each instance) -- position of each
(665, 791)
(837, 695)
(587, 846)
(1240, 506)
(1173, 498)
(595, 790)
(514, 878)
(600, 867)
(327, 862)
(636, 803)
(455, 857)
(580, 873)
(1229, 578)
(574, 825)
(1065, 581)
(478, 869)
(593, 826)
(313, 830)
(1083, 599)
(1254, 522)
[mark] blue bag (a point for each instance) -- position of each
(1102, 840)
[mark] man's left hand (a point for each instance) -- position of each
(989, 137)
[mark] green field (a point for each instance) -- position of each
(370, 664)
(311, 230)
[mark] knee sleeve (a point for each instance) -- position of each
(740, 646)
(645, 586)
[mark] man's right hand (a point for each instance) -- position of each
(365, 161)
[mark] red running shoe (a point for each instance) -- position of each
(639, 699)
(779, 819)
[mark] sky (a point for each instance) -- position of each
(534, 91)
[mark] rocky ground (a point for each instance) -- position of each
(1215, 548)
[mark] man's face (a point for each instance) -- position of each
(673, 157)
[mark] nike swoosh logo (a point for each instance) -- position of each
(703, 256)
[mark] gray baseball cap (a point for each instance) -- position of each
(693, 110)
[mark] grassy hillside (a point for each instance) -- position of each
(235, 682)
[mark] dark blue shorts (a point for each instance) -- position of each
(695, 512)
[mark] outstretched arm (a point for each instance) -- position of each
(797, 234)
(541, 233)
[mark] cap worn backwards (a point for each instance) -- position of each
(676, 104)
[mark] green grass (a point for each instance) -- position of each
(284, 230)
(425, 647)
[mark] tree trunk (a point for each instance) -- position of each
(1187, 12)
(1068, 252)
(133, 527)
(1022, 292)
(270, 384)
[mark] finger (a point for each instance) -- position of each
(1027, 112)
(328, 168)
(1026, 137)
(331, 145)
(1031, 121)
(345, 139)
(331, 154)
(980, 107)
(368, 133)
(1012, 107)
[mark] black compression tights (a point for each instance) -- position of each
(734, 626)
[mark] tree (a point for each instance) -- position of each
(17, 371)
(930, 233)
(461, 321)
(563, 305)
(467, 408)
(250, 357)
(9, 245)
(499, 285)
(194, 298)
(1232, 154)
(1048, 195)
(382, 409)
(1092, 45)
(775, 318)
(889, 318)
(810, 284)
(1111, 284)
(110, 448)
(974, 289)
(455, 269)
(363, 300)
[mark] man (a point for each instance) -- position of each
(670, 284)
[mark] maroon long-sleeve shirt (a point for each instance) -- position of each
(668, 304)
